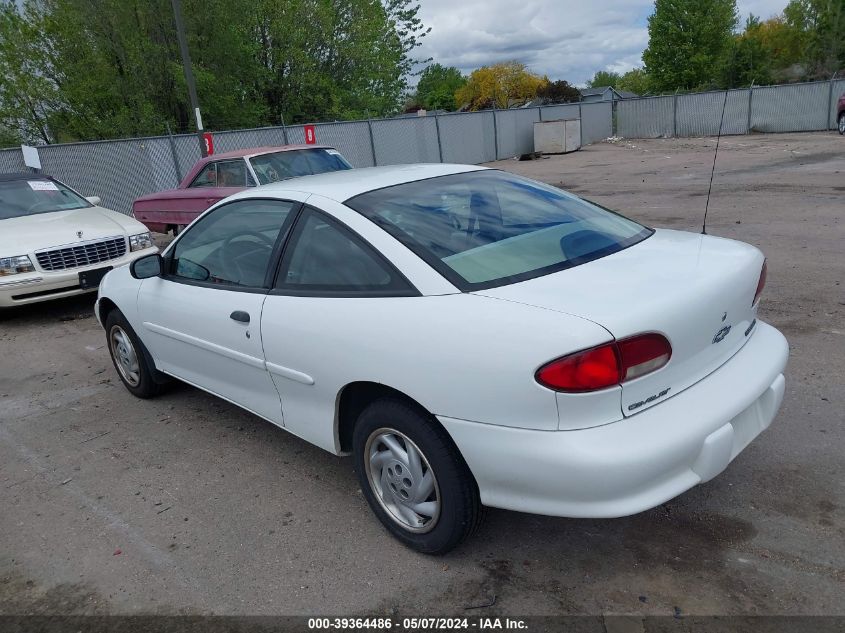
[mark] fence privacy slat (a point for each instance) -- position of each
(120, 171)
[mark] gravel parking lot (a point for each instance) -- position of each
(186, 504)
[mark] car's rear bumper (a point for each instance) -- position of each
(44, 285)
(639, 462)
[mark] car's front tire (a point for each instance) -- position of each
(414, 478)
(130, 358)
(842, 123)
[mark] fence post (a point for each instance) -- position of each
(675, 115)
(439, 144)
(613, 113)
(284, 129)
(540, 112)
(175, 155)
(495, 133)
(830, 125)
(581, 127)
(372, 141)
(750, 95)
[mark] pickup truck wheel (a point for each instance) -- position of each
(130, 358)
(414, 478)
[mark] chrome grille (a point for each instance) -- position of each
(74, 256)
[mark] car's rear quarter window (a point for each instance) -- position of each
(489, 228)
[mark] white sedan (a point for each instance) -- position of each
(470, 336)
(55, 243)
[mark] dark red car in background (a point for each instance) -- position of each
(213, 178)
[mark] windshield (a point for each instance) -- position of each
(292, 163)
(490, 228)
(36, 195)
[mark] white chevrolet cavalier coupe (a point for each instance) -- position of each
(55, 243)
(470, 336)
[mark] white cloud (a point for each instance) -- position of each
(563, 39)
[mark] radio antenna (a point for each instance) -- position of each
(713, 170)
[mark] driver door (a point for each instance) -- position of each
(202, 317)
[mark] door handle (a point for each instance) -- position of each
(240, 316)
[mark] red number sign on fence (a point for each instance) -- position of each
(310, 135)
(209, 143)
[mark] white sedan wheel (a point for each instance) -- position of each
(126, 358)
(402, 480)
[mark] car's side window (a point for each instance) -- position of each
(207, 177)
(233, 245)
(232, 173)
(325, 258)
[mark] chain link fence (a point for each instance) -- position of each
(803, 107)
(11, 161)
(120, 171)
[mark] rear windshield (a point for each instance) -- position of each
(36, 195)
(489, 228)
(292, 163)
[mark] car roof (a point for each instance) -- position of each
(24, 176)
(345, 184)
(257, 151)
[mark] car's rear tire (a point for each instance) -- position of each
(130, 358)
(414, 478)
(842, 123)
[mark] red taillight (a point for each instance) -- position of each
(643, 354)
(589, 370)
(760, 284)
(607, 365)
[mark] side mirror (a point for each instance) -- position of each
(95, 200)
(146, 267)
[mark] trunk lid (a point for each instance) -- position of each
(696, 290)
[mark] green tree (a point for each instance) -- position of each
(8, 138)
(688, 43)
(91, 69)
(750, 62)
(635, 80)
(604, 78)
(784, 44)
(819, 27)
(331, 59)
(27, 96)
(437, 87)
(407, 27)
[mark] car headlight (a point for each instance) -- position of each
(140, 242)
(15, 265)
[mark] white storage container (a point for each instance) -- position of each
(557, 137)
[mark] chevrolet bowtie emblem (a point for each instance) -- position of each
(721, 334)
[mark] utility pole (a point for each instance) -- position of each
(189, 73)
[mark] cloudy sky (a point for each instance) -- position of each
(564, 39)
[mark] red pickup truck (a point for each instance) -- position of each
(213, 178)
